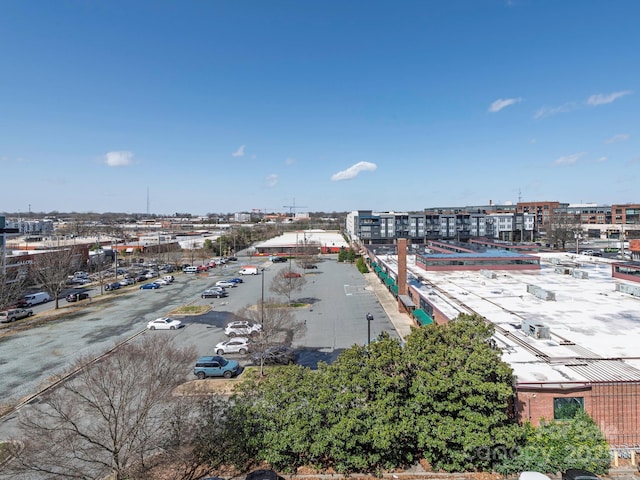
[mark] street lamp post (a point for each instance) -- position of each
(262, 301)
(369, 320)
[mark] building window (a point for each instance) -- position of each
(567, 407)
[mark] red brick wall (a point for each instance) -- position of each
(614, 406)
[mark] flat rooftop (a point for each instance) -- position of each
(594, 330)
(329, 238)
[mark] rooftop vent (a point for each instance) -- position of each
(536, 329)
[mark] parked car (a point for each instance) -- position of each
(241, 328)
(14, 314)
(577, 474)
(292, 275)
(190, 269)
(232, 259)
(279, 259)
(74, 297)
(112, 286)
(161, 281)
(169, 278)
(533, 476)
(263, 474)
(226, 284)
(235, 345)
(309, 266)
(164, 323)
(213, 293)
(236, 280)
(215, 366)
(126, 281)
(149, 286)
(277, 355)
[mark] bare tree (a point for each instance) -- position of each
(175, 258)
(563, 228)
(287, 283)
(52, 269)
(11, 286)
(279, 326)
(111, 418)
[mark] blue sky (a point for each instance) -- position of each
(223, 106)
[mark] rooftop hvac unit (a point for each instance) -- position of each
(536, 329)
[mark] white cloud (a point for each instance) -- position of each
(290, 161)
(548, 111)
(601, 159)
(271, 180)
(502, 103)
(569, 159)
(603, 99)
(118, 159)
(621, 137)
(239, 152)
(353, 171)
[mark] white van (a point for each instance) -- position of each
(36, 298)
(190, 270)
(248, 270)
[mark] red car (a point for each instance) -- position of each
(292, 275)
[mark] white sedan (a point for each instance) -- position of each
(225, 284)
(164, 323)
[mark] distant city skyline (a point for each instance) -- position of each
(217, 107)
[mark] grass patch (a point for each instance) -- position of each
(5, 452)
(191, 310)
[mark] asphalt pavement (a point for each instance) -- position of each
(337, 298)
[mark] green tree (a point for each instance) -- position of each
(208, 245)
(560, 445)
(368, 427)
(443, 396)
(460, 394)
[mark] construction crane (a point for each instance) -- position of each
(292, 207)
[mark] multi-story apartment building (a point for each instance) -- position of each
(543, 211)
(371, 227)
(521, 222)
(32, 227)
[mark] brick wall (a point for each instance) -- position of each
(614, 406)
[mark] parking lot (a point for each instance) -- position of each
(336, 299)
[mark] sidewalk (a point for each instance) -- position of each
(401, 321)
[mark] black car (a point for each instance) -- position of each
(232, 259)
(263, 475)
(310, 266)
(279, 355)
(577, 474)
(112, 286)
(74, 297)
(278, 259)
